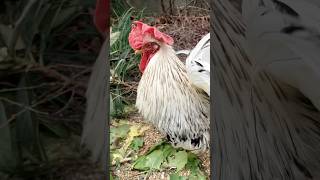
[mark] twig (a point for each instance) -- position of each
(27, 88)
(82, 72)
(67, 104)
(22, 105)
(13, 117)
(52, 96)
(56, 75)
(67, 65)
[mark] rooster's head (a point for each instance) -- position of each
(147, 40)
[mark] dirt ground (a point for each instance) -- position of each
(152, 137)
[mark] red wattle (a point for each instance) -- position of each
(146, 56)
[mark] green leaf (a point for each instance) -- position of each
(198, 176)
(140, 163)
(119, 132)
(6, 152)
(137, 143)
(27, 127)
(155, 159)
(179, 160)
(159, 145)
(168, 150)
(117, 103)
(150, 161)
(177, 177)
(64, 15)
(193, 163)
(194, 166)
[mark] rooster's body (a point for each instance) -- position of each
(168, 98)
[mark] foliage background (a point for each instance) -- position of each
(137, 148)
(47, 49)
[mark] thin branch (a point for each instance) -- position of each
(13, 117)
(27, 88)
(56, 75)
(23, 106)
(67, 104)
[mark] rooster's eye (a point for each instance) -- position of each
(133, 25)
(155, 46)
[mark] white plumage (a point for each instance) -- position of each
(266, 84)
(170, 95)
(167, 98)
(198, 64)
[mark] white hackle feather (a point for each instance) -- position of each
(198, 64)
(167, 98)
(266, 84)
(185, 52)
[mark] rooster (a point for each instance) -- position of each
(171, 95)
(96, 118)
(266, 89)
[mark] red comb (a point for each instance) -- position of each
(139, 30)
(101, 16)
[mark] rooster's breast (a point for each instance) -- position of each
(166, 98)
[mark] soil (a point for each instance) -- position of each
(152, 137)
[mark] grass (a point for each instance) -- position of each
(43, 64)
(123, 62)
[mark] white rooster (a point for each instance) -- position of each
(267, 90)
(173, 96)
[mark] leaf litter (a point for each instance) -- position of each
(141, 152)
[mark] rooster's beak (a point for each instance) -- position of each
(137, 52)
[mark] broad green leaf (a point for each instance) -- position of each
(201, 177)
(194, 166)
(141, 163)
(137, 143)
(159, 145)
(177, 177)
(193, 163)
(168, 150)
(120, 131)
(179, 160)
(135, 131)
(155, 159)
(150, 161)
(198, 176)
